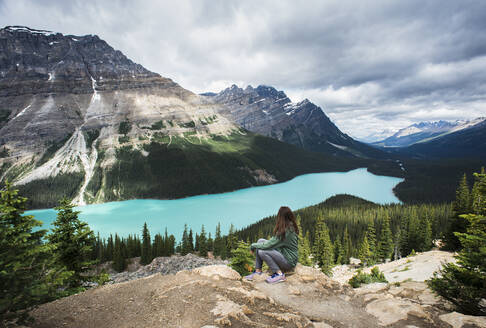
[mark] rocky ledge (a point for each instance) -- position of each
(215, 296)
(165, 265)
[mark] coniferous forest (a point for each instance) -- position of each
(38, 265)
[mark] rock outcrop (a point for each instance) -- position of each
(215, 296)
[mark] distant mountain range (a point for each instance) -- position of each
(461, 142)
(426, 131)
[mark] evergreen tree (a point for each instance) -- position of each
(119, 261)
(425, 229)
(385, 243)
(232, 240)
(158, 246)
(462, 205)
(364, 253)
(167, 246)
(346, 246)
(463, 200)
(109, 249)
(478, 200)
(146, 256)
(403, 246)
(171, 243)
(241, 259)
(371, 236)
(304, 246)
(196, 247)
(323, 252)
(464, 283)
(23, 256)
(190, 240)
(185, 247)
(72, 241)
(338, 251)
(203, 243)
(218, 241)
(210, 243)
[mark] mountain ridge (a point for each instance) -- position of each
(424, 131)
(267, 111)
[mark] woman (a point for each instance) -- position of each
(281, 251)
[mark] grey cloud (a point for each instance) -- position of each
(368, 64)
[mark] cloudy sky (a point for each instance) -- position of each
(371, 65)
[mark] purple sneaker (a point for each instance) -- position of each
(252, 275)
(276, 278)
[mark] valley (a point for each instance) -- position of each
(114, 175)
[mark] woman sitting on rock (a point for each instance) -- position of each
(281, 251)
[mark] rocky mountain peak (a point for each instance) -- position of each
(267, 111)
(39, 61)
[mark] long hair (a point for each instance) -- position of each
(285, 220)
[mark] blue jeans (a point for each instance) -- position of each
(274, 259)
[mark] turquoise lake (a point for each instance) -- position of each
(240, 208)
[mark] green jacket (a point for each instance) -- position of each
(287, 246)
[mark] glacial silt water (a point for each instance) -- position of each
(240, 208)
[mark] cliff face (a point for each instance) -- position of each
(269, 112)
(64, 100)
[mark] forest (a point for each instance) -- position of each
(38, 266)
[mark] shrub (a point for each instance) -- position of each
(242, 260)
(361, 278)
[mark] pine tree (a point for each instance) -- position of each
(464, 283)
(364, 253)
(385, 244)
(146, 256)
(71, 240)
(24, 258)
(119, 261)
(232, 240)
(338, 251)
(218, 246)
(323, 252)
(203, 243)
(478, 199)
(463, 200)
(185, 248)
(371, 236)
(346, 246)
(425, 243)
(462, 205)
(167, 246)
(403, 246)
(241, 259)
(109, 249)
(196, 247)
(190, 241)
(210, 243)
(304, 246)
(171, 243)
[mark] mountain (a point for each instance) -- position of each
(424, 131)
(269, 112)
(79, 119)
(459, 142)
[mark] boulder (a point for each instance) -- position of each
(458, 320)
(222, 271)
